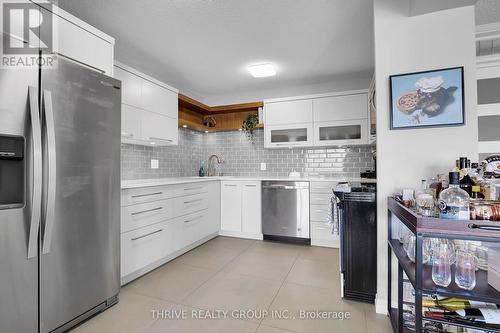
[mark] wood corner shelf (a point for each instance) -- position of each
(228, 117)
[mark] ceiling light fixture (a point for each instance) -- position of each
(262, 70)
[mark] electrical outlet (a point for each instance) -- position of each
(263, 167)
(155, 164)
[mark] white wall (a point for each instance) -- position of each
(409, 44)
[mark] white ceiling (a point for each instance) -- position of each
(487, 11)
(203, 47)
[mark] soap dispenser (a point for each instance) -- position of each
(201, 172)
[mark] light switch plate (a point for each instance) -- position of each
(155, 164)
(263, 167)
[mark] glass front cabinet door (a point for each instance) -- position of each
(341, 132)
(281, 136)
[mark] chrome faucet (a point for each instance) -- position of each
(211, 167)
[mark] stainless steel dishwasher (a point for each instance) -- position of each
(285, 211)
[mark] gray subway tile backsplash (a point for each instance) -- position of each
(241, 157)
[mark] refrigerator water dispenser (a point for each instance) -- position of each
(11, 172)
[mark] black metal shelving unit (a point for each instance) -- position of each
(420, 275)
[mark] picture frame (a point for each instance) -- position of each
(433, 98)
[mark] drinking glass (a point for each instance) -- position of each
(410, 246)
(465, 275)
(441, 268)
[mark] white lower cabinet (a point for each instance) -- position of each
(251, 208)
(241, 209)
(321, 231)
(145, 246)
(230, 206)
(163, 222)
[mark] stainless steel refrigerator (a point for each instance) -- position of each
(59, 196)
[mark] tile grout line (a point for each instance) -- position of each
(216, 272)
(281, 286)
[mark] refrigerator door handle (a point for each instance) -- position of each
(51, 171)
(36, 198)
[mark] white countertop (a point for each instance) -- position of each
(137, 183)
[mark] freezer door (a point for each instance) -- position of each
(18, 227)
(79, 263)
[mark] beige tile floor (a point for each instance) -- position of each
(228, 274)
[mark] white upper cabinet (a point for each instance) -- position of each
(288, 112)
(131, 87)
(346, 107)
(159, 130)
(131, 122)
(320, 120)
(158, 99)
(80, 42)
(149, 109)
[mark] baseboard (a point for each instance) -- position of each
(240, 234)
(137, 274)
(334, 244)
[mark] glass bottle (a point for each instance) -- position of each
(476, 192)
(454, 202)
(465, 275)
(465, 180)
(441, 268)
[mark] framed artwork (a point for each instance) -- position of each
(428, 99)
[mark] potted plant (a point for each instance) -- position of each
(249, 126)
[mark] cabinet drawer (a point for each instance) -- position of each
(320, 198)
(190, 189)
(322, 187)
(144, 246)
(193, 227)
(322, 231)
(141, 215)
(319, 213)
(145, 194)
(191, 203)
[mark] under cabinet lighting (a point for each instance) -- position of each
(185, 126)
(206, 131)
(240, 129)
(262, 70)
(153, 143)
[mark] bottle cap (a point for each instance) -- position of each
(454, 178)
(476, 188)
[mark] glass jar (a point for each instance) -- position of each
(441, 268)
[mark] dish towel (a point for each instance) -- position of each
(333, 219)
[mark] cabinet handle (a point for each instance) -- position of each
(230, 185)
(193, 201)
(159, 139)
(289, 144)
(194, 219)
(146, 195)
(147, 211)
(193, 188)
(127, 135)
(146, 235)
(484, 227)
(251, 185)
